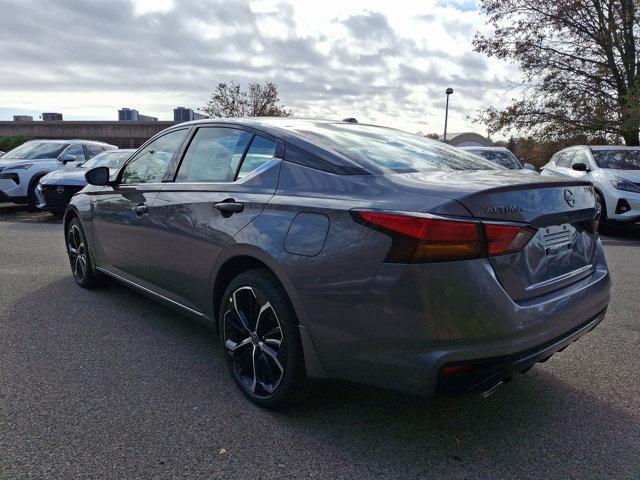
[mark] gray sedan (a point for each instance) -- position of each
(337, 250)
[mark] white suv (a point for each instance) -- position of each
(22, 167)
(614, 172)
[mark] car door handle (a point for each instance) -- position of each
(229, 207)
(140, 209)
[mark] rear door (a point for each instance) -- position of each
(224, 181)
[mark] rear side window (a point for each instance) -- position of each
(93, 150)
(259, 153)
(213, 155)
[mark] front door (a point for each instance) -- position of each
(224, 181)
(120, 213)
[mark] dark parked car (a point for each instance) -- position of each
(502, 156)
(322, 249)
(54, 191)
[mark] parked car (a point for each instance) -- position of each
(502, 156)
(322, 249)
(22, 167)
(614, 172)
(56, 188)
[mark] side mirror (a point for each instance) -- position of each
(98, 176)
(66, 158)
(580, 167)
(528, 166)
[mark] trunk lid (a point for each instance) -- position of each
(562, 251)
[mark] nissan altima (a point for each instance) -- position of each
(338, 250)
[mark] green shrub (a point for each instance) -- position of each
(9, 143)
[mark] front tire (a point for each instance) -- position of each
(260, 337)
(80, 257)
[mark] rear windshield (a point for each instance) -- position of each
(504, 159)
(618, 159)
(35, 151)
(392, 150)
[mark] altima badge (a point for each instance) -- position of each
(505, 209)
(60, 189)
(569, 198)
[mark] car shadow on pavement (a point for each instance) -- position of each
(110, 361)
(10, 212)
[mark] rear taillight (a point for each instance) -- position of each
(428, 238)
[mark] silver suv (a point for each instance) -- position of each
(22, 167)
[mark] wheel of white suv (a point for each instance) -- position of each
(259, 332)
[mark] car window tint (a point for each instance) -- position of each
(77, 151)
(213, 155)
(93, 150)
(259, 153)
(150, 164)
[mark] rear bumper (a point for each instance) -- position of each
(417, 319)
(484, 375)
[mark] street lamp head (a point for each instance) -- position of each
(449, 91)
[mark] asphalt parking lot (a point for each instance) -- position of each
(109, 384)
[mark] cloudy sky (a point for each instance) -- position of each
(380, 61)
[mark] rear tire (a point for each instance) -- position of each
(82, 266)
(261, 339)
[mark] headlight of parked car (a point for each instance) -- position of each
(21, 166)
(624, 184)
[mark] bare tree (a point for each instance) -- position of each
(580, 66)
(229, 100)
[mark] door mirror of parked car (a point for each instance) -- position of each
(98, 176)
(67, 157)
(580, 167)
(528, 166)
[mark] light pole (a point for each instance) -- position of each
(449, 91)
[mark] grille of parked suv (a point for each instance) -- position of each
(54, 198)
(558, 238)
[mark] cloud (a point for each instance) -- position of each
(375, 61)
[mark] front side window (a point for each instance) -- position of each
(618, 159)
(150, 164)
(580, 157)
(35, 150)
(213, 155)
(392, 150)
(564, 159)
(77, 151)
(259, 153)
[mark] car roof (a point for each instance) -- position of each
(71, 140)
(287, 129)
(601, 147)
(486, 149)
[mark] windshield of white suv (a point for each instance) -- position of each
(393, 150)
(35, 151)
(504, 159)
(111, 159)
(618, 159)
